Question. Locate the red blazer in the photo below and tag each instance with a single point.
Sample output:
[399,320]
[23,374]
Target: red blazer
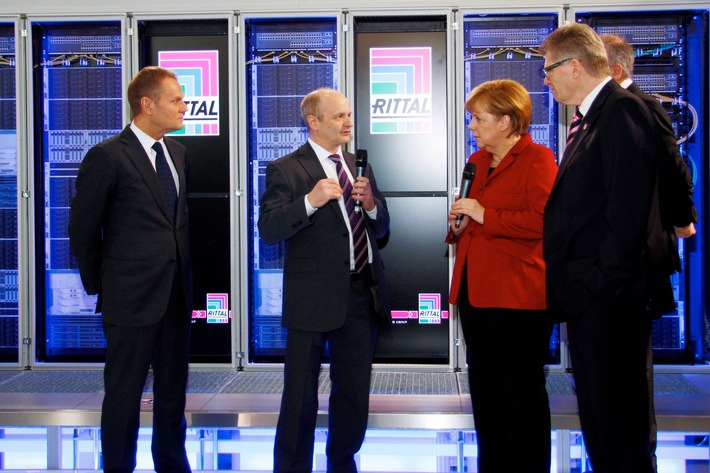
[503,257]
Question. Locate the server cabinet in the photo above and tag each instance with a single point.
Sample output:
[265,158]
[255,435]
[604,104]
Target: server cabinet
[9,288]
[671,50]
[77,88]
[506,47]
[285,59]
[401,78]
[198,51]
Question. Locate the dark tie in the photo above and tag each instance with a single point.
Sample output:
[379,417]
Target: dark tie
[165,177]
[356,223]
[574,126]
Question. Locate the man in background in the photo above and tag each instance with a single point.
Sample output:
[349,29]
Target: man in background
[128,230]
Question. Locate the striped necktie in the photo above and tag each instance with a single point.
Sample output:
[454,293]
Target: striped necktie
[357,225]
[574,126]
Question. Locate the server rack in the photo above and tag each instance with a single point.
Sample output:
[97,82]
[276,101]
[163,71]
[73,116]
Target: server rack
[199,51]
[77,86]
[506,46]
[402,71]
[9,274]
[285,59]
[695,259]
[671,63]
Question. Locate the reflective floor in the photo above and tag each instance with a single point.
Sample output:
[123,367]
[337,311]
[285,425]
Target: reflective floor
[384,450]
[419,422]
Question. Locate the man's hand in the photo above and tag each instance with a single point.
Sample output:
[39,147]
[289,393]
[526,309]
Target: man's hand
[363,192]
[685,232]
[323,192]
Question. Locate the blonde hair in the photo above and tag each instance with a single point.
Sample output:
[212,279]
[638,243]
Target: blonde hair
[503,97]
[577,41]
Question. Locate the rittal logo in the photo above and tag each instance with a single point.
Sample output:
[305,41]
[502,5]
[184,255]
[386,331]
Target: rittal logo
[400,90]
[198,74]
[429,312]
[217,309]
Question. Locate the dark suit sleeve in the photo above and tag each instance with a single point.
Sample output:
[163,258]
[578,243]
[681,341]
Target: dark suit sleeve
[94,185]
[282,213]
[628,167]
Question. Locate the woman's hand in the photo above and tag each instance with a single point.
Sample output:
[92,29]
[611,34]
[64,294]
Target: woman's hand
[471,209]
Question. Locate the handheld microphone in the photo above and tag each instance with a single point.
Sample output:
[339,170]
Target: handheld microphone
[360,165]
[469,172]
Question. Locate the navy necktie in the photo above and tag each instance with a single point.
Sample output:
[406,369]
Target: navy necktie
[165,177]
[357,225]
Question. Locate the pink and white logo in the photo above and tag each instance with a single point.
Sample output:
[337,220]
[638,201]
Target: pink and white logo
[198,74]
[400,90]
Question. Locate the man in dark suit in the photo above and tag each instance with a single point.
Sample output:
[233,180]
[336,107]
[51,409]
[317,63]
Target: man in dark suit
[595,231]
[333,284]
[675,195]
[129,234]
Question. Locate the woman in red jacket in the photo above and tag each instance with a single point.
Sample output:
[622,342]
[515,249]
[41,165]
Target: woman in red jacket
[499,281]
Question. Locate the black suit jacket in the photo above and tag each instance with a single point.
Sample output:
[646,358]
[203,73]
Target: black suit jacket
[597,216]
[126,243]
[317,248]
[675,186]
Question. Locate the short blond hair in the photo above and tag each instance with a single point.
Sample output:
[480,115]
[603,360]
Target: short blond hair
[577,41]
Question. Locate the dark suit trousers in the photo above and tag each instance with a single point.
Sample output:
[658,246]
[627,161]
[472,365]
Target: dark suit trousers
[653,427]
[506,352]
[608,344]
[351,349]
[130,351]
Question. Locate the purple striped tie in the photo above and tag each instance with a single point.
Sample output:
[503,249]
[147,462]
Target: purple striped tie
[357,225]
[574,126]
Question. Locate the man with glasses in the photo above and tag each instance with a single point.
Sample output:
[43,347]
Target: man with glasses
[547,69]
[595,246]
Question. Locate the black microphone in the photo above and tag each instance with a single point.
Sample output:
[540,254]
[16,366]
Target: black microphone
[360,165]
[469,172]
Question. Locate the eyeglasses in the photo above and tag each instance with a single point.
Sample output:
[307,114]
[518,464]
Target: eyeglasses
[546,70]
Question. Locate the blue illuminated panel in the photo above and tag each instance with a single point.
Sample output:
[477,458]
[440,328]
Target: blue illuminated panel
[9,310]
[78,81]
[506,47]
[662,44]
[285,60]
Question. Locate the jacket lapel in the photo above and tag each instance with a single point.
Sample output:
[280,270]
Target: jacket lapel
[585,128]
[177,154]
[309,160]
[137,156]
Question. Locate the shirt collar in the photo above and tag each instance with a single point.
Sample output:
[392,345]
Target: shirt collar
[145,139]
[589,99]
[321,152]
